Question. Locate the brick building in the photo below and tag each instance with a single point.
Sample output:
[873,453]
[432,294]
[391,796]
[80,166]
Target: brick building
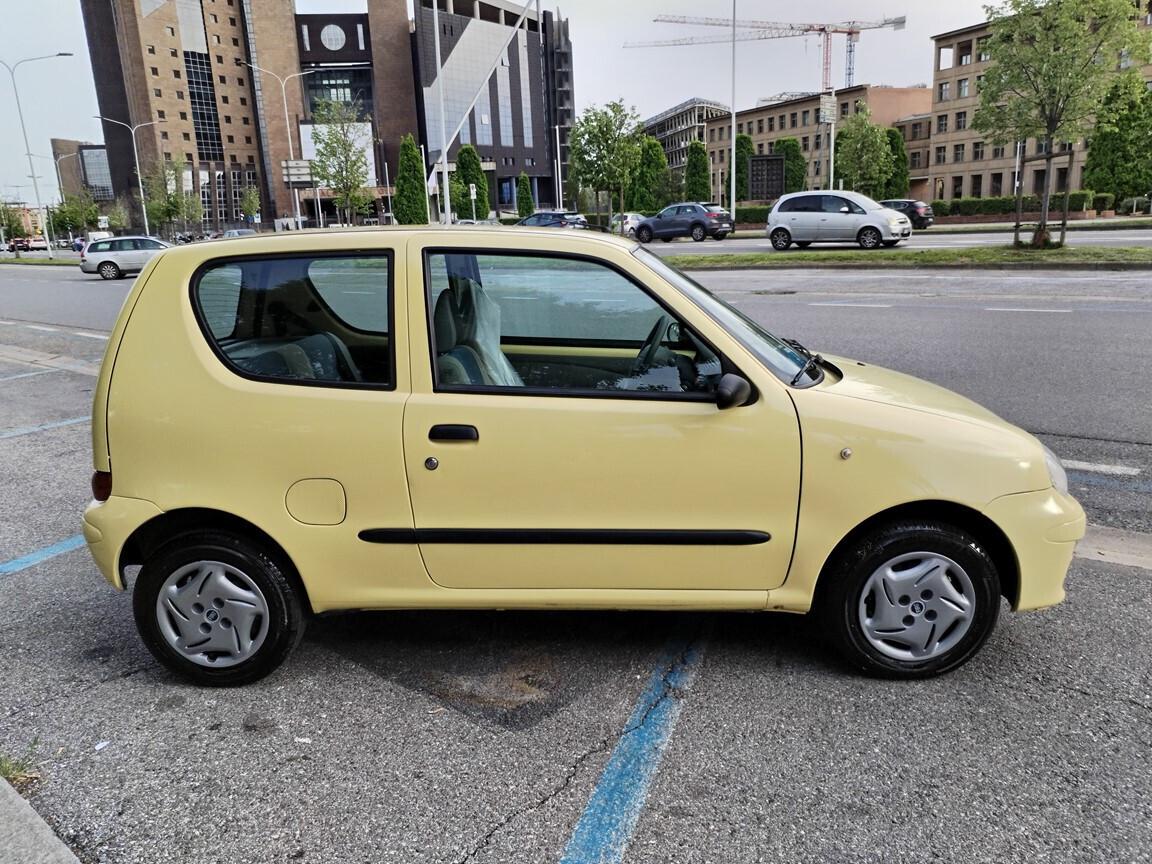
[797,116]
[210,70]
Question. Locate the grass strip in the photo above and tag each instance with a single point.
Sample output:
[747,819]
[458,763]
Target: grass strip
[911,258]
[71,262]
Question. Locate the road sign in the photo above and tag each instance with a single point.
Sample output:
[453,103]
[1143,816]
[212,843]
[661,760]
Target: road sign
[102,222]
[827,108]
[472,191]
[297,172]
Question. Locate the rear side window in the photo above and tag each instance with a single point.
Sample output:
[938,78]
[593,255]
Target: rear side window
[102,246]
[307,319]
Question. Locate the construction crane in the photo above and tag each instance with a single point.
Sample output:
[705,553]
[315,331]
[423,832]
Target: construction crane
[756,30]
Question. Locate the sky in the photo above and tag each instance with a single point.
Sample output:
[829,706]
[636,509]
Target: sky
[59,98]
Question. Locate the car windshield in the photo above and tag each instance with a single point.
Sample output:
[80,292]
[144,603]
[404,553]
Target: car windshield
[782,359]
[867,203]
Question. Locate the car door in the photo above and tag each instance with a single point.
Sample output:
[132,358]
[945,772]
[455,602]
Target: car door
[803,217]
[562,459]
[664,225]
[836,220]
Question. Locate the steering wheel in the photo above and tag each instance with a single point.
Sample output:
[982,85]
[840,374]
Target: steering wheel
[647,355]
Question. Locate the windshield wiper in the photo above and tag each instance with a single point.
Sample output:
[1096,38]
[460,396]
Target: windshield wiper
[810,360]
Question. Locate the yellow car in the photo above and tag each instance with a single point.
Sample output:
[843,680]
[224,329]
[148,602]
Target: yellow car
[506,418]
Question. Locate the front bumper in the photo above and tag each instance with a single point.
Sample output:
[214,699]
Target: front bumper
[1043,528]
[108,525]
[902,232]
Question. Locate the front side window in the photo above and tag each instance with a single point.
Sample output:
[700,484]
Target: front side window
[300,319]
[531,324]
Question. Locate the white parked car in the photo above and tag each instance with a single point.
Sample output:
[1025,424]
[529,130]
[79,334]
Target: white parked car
[804,218]
[631,222]
[119,255]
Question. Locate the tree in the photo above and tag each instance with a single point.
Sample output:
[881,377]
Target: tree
[75,213]
[645,183]
[744,151]
[525,206]
[410,205]
[1053,62]
[11,222]
[1120,155]
[163,194]
[897,186]
[469,168]
[670,188]
[461,203]
[863,158]
[250,203]
[603,148]
[341,162]
[192,210]
[697,186]
[795,165]
[118,214]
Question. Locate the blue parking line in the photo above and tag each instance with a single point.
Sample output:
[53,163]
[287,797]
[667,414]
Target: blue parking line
[34,558]
[28,430]
[609,819]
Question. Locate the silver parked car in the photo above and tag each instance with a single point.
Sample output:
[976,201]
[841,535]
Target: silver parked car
[114,257]
[631,223]
[804,218]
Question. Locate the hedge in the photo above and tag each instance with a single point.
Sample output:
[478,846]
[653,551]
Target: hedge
[1007,205]
[1103,201]
[1133,205]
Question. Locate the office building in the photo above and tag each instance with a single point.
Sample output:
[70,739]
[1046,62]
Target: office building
[83,168]
[682,124]
[796,115]
[231,86]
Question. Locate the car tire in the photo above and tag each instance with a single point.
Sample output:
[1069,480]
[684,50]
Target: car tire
[665,239]
[719,237]
[886,592]
[108,270]
[188,587]
[803,244]
[698,233]
[781,239]
[644,234]
[869,237]
[888,244]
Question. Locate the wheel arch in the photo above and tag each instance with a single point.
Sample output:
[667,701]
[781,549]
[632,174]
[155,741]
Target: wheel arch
[987,532]
[159,530]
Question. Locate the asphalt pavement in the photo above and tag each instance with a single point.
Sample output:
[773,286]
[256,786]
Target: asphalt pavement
[489,736]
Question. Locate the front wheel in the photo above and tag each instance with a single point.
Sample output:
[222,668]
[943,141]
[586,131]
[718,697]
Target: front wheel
[888,244]
[911,600]
[217,609]
[869,238]
[803,244]
[781,239]
[108,270]
[644,234]
[698,233]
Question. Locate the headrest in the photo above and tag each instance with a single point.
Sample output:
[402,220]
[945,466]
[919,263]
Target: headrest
[444,321]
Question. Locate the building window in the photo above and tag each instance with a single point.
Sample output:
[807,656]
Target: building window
[232,21]
[247,139]
[792,120]
[230,140]
[917,131]
[739,128]
[957,152]
[941,155]
[243,101]
[244,120]
[159,115]
[965,51]
[914,159]
[996,185]
[977,151]
[235,43]
[187,137]
[804,143]
[180,95]
[977,185]
[163,136]
[1042,147]
[711,134]
[944,91]
[183,115]
[816,143]
[220,59]
[941,123]
[1038,178]
[240,81]
[804,118]
[168,156]
[151,49]
[957,187]
[171,31]
[215,19]
[1061,179]
[816,168]
[155,72]
[760,148]
[176,73]
[997,151]
[771,124]
[860,106]
[982,55]
[760,126]
[843,109]
[216,38]
[962,88]
[224,99]
[944,57]
[961,120]
[156,92]
[172,52]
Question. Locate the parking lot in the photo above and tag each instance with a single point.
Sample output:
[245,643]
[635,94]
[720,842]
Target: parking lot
[495,736]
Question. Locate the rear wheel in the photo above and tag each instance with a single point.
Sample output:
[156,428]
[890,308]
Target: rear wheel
[217,609]
[698,233]
[719,237]
[781,239]
[644,234]
[911,600]
[109,270]
[869,238]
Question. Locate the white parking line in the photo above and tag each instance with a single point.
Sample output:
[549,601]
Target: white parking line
[857,305]
[1097,468]
[45,329]
[1014,309]
[89,335]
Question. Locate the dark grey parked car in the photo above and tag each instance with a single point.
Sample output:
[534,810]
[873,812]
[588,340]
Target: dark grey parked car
[920,213]
[687,219]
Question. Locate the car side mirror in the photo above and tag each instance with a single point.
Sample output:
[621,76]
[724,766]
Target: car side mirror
[845,210]
[732,391]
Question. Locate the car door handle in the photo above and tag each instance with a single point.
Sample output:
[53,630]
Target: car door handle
[453,432]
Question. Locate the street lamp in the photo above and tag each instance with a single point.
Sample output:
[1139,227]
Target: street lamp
[287,128]
[136,157]
[20,112]
[59,182]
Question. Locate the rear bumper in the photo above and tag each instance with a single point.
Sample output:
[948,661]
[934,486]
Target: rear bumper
[107,527]
[1043,528]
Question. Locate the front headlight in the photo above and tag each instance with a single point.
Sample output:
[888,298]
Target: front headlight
[1056,471]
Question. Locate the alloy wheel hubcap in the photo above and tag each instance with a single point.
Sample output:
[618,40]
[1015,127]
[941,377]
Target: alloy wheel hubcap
[916,606]
[212,614]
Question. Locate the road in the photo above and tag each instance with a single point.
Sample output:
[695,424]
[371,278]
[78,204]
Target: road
[929,239]
[495,737]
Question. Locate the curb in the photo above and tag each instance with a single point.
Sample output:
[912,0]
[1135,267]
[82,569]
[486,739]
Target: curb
[1085,266]
[25,838]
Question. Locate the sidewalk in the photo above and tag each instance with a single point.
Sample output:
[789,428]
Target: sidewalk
[24,837]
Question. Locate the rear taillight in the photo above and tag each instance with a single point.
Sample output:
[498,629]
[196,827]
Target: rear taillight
[101,485]
[919,211]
